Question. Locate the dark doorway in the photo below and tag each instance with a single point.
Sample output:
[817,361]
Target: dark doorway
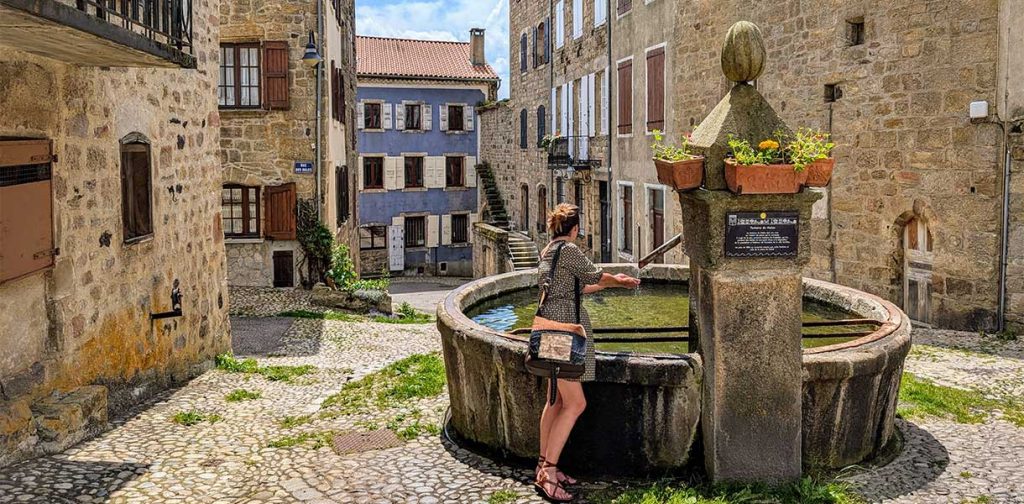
[284,268]
[606,219]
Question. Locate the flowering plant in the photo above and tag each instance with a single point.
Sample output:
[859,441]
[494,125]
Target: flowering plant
[550,139]
[808,146]
[768,151]
[668,152]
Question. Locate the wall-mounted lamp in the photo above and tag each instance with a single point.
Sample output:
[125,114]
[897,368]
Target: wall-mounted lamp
[312,57]
[175,304]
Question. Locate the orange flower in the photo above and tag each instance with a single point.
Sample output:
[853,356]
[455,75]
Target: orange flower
[768,145]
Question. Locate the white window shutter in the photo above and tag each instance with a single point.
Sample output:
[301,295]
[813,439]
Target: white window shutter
[469,162]
[577,19]
[600,14]
[391,173]
[400,173]
[446,229]
[432,225]
[400,116]
[359,175]
[604,102]
[571,126]
[443,112]
[591,109]
[470,113]
[560,23]
[433,176]
[386,115]
[428,116]
[564,111]
[398,220]
[360,115]
[553,108]
[473,218]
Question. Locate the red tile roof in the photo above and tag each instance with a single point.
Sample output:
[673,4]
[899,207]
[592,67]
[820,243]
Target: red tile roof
[377,56]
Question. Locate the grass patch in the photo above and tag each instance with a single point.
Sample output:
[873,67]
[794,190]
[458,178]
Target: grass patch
[294,421]
[966,474]
[193,417]
[317,440]
[239,395]
[806,491]
[408,426]
[327,315]
[922,398]
[287,374]
[505,496]
[981,499]
[406,314]
[411,378]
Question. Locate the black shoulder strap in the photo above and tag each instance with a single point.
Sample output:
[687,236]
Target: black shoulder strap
[551,278]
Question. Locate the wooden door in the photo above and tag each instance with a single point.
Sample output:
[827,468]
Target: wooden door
[284,268]
[918,260]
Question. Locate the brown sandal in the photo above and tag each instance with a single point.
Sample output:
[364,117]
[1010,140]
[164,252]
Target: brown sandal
[563,478]
[544,482]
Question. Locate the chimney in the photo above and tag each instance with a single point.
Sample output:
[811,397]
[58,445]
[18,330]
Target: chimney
[476,47]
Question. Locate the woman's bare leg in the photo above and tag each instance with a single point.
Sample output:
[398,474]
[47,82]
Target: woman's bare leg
[573,403]
[547,419]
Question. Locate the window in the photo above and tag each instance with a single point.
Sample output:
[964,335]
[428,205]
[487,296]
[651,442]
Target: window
[624,6]
[626,97]
[656,89]
[341,194]
[413,117]
[560,23]
[239,76]
[373,237]
[414,171]
[600,12]
[415,232]
[524,207]
[136,188]
[542,208]
[656,216]
[26,207]
[373,173]
[372,115]
[337,94]
[240,210]
[577,19]
[559,191]
[523,142]
[281,212]
[542,128]
[455,118]
[454,171]
[626,219]
[523,47]
[855,31]
[832,93]
[460,228]
[578,195]
[541,50]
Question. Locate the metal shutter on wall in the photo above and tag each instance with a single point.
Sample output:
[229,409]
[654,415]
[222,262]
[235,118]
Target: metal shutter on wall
[275,75]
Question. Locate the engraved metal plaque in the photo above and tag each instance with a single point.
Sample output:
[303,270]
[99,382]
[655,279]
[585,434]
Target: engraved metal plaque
[762,234]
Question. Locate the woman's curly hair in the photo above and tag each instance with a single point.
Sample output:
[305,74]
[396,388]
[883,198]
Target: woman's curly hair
[562,219]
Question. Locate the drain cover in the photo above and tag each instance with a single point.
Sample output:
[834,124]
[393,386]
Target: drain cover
[358,442]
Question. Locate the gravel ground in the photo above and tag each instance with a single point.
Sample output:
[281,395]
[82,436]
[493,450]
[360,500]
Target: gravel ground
[146,457]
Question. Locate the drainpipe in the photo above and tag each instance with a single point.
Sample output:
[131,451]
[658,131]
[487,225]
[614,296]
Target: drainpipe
[1001,318]
[319,103]
[554,120]
[612,189]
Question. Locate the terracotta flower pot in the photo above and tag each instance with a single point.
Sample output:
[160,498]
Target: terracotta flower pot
[763,179]
[819,173]
[681,175]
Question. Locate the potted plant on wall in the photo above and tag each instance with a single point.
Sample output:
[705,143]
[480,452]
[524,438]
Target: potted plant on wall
[557,147]
[761,170]
[678,167]
[811,150]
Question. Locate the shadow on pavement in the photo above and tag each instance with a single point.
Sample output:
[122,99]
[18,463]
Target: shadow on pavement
[921,462]
[51,480]
[266,337]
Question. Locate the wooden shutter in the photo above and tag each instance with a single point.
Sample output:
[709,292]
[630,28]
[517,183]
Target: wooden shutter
[275,75]
[536,60]
[656,89]
[547,40]
[625,94]
[281,212]
[625,6]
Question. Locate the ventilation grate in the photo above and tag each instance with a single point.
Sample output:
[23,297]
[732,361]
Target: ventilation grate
[24,174]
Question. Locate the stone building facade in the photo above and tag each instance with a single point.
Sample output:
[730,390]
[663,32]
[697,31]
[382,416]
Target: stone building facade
[915,210]
[109,198]
[270,135]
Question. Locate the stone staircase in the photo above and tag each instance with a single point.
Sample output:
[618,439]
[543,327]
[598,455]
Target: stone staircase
[523,251]
[495,214]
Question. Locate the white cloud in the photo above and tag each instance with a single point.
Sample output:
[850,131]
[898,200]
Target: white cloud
[441,20]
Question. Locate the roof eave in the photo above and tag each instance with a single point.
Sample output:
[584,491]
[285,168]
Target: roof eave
[427,77]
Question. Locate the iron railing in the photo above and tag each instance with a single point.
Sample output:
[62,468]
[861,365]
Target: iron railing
[165,21]
[571,152]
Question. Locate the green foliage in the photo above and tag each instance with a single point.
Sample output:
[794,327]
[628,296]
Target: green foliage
[325,315]
[549,139]
[193,417]
[239,395]
[505,496]
[343,270]
[320,439]
[806,491]
[406,315]
[287,374]
[669,152]
[411,378]
[408,426]
[316,241]
[294,421]
[382,284]
[921,398]
[808,146]
[746,155]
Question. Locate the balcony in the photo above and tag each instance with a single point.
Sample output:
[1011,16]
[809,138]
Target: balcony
[108,33]
[570,152]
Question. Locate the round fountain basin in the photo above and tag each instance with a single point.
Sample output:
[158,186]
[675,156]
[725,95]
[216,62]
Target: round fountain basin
[643,409]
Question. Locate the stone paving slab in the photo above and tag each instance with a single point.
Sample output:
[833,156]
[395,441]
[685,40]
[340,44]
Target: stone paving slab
[258,336]
[146,458]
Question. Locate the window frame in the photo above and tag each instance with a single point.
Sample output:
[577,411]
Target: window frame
[406,167]
[464,229]
[448,171]
[418,107]
[367,116]
[236,86]
[246,217]
[373,237]
[409,244]
[367,178]
[132,144]
[461,115]
[343,195]
[626,238]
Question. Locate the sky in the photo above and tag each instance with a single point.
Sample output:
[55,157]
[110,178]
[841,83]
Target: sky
[441,20]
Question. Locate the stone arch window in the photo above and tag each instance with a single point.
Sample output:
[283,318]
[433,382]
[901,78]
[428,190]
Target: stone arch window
[918,265]
[524,208]
[542,43]
[542,127]
[522,53]
[523,127]
[136,188]
[542,208]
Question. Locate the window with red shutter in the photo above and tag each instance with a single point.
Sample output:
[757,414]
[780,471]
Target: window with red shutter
[625,91]
[656,89]
[275,75]
[281,212]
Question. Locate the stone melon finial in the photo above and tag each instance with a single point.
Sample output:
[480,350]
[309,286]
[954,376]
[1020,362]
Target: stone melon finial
[743,54]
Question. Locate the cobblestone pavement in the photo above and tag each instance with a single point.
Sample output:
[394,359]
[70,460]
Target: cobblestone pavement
[146,457]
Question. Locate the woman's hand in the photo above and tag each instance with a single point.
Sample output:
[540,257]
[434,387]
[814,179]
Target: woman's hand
[627,282]
[590,289]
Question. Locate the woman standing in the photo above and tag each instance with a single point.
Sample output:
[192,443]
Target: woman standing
[559,418]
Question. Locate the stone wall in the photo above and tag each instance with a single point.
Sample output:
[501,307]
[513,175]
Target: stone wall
[490,251]
[260,147]
[87,320]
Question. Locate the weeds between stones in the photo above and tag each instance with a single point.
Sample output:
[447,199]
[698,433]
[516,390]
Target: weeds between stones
[921,398]
[414,377]
[320,439]
[806,491]
[327,315]
[505,496]
[405,314]
[239,395]
[286,374]
[193,417]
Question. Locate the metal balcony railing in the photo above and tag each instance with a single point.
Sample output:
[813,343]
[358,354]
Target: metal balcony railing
[164,21]
[571,152]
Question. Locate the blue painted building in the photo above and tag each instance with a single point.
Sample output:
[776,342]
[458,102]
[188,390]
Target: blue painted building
[418,145]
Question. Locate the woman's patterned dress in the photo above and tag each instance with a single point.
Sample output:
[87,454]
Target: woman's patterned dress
[560,304]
